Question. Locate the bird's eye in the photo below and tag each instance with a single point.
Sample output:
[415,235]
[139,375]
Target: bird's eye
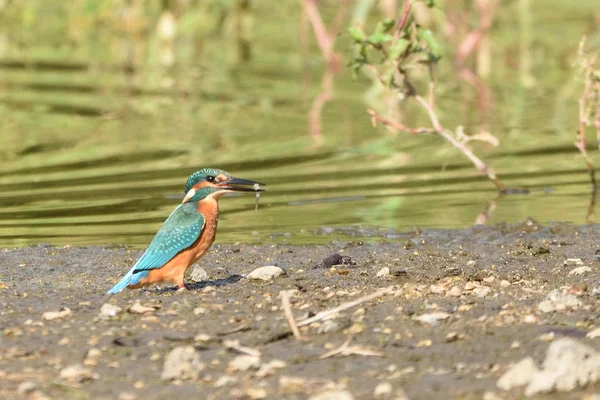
[210,178]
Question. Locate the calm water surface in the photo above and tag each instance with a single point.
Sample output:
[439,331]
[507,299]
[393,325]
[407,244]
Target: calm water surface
[95,153]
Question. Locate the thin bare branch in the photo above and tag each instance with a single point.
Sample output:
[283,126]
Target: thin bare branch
[346,350]
[328,313]
[402,21]
[388,122]
[289,315]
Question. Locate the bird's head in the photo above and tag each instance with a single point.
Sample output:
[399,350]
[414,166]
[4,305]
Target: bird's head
[214,183]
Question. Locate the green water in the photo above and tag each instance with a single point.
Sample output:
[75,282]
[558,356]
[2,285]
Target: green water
[94,151]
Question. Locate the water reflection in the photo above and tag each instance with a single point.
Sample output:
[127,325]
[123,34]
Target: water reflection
[96,143]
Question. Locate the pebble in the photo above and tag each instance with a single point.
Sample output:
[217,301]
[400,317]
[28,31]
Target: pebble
[482,291]
[137,308]
[244,362]
[332,395]
[580,270]
[432,318]
[504,283]
[76,373]
[183,363]
[91,359]
[382,390]
[455,291]
[518,375]
[569,364]
[556,300]
[593,334]
[266,273]
[108,311]
[27,386]
[329,325]
[572,262]
[436,289]
[383,273]
[270,367]
[51,315]
[256,393]
[198,274]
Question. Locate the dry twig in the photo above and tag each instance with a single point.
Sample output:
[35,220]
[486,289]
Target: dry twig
[328,313]
[346,350]
[289,316]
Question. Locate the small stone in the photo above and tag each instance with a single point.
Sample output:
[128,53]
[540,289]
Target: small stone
[432,318]
[198,274]
[593,334]
[76,373]
[244,362]
[518,375]
[333,395]
[137,308]
[257,392]
[580,270]
[108,311]
[91,359]
[127,396]
[329,325]
[269,368]
[471,263]
[200,310]
[482,291]
[383,273]
[452,337]
[530,319]
[382,390]
[569,364]
[504,283]
[489,279]
[27,386]
[491,396]
[572,262]
[266,273]
[455,291]
[556,300]
[183,363]
[51,315]
[225,380]
[436,289]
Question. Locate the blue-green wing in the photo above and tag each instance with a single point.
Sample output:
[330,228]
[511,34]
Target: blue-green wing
[180,231]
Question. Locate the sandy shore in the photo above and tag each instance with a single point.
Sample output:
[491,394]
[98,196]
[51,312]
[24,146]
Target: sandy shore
[460,308]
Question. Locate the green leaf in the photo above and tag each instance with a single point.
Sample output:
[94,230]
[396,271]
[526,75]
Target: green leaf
[430,3]
[397,49]
[380,37]
[385,26]
[357,34]
[434,48]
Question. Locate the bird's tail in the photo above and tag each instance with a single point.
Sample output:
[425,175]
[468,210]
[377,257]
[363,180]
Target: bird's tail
[131,278]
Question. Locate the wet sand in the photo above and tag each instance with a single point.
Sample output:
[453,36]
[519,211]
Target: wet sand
[462,305]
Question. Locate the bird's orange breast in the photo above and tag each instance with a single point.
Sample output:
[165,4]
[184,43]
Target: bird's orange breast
[174,269]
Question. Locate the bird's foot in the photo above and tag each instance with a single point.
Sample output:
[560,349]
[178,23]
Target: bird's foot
[182,288]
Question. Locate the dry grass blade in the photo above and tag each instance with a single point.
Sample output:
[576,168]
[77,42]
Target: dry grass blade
[289,316]
[328,313]
[346,350]
[235,345]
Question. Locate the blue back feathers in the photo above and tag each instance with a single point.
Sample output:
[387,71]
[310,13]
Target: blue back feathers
[180,231]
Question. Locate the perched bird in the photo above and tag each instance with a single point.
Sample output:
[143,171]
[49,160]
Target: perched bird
[188,232]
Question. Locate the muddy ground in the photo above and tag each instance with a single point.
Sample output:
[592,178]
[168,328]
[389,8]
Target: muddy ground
[479,290]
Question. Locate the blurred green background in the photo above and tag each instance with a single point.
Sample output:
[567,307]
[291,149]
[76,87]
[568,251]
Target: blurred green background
[107,106]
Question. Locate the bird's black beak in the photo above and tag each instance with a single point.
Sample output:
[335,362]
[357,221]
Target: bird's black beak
[242,185]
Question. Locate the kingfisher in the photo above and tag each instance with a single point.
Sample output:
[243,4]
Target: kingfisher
[187,233]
